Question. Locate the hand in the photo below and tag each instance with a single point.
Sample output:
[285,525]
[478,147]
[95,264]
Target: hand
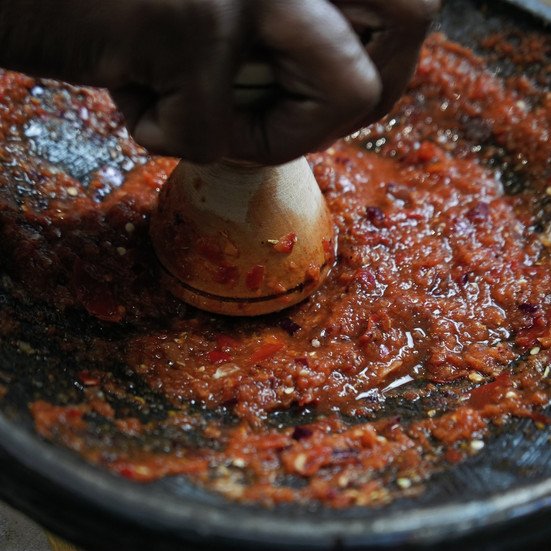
[331,84]
[170,65]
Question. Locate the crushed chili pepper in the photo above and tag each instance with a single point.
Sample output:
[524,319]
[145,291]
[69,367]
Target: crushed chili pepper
[266,350]
[219,356]
[285,244]
[440,297]
[255,277]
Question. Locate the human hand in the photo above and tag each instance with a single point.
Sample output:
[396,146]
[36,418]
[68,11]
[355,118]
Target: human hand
[170,66]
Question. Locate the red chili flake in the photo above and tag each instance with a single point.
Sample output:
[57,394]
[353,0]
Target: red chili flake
[139,473]
[537,327]
[528,308]
[289,326]
[374,214]
[342,160]
[225,342]
[346,277]
[227,275]
[453,456]
[88,379]
[544,341]
[490,393]
[302,361]
[266,350]
[127,472]
[365,276]
[73,413]
[286,243]
[255,277]
[209,250]
[479,213]
[428,152]
[219,357]
[300,433]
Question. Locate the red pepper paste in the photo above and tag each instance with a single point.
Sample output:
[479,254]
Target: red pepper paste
[441,296]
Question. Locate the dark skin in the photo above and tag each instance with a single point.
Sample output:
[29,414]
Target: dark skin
[170,66]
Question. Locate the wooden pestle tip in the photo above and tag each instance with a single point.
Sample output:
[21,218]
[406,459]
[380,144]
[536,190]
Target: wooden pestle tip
[243,240]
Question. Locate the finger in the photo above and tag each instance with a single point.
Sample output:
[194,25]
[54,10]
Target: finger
[195,87]
[327,80]
[188,123]
[397,30]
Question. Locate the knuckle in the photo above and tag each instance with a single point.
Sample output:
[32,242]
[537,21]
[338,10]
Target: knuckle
[365,97]
[363,88]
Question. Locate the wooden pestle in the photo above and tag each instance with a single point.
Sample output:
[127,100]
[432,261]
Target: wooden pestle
[241,239]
